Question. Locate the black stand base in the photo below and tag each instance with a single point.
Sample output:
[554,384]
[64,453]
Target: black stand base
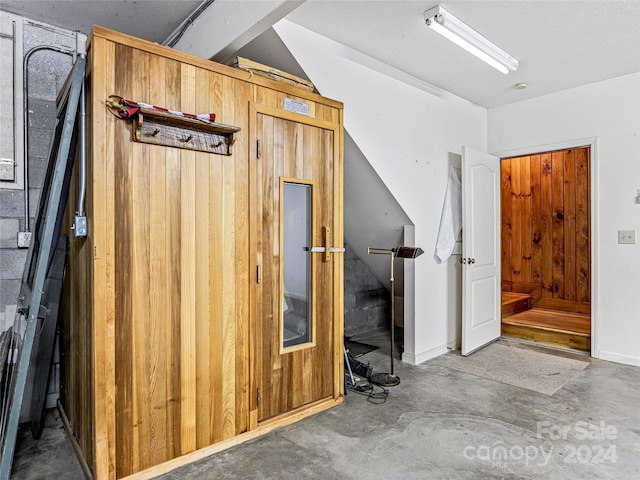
[384,379]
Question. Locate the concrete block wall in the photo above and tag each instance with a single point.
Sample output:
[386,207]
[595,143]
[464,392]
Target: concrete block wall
[47,71]
[366,301]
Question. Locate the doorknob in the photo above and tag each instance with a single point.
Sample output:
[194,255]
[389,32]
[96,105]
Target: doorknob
[472,260]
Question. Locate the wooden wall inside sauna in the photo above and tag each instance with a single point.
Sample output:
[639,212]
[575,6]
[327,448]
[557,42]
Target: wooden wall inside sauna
[156,319]
[546,248]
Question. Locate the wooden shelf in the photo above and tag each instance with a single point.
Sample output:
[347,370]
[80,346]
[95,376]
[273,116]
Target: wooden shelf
[159,128]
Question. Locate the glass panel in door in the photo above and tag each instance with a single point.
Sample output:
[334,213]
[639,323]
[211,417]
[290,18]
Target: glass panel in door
[296,239]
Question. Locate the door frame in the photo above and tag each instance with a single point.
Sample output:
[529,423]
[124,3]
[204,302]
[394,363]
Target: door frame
[593,143]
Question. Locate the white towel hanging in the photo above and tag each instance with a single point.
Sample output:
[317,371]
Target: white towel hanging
[451,220]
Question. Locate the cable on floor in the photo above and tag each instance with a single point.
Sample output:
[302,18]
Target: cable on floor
[374,393]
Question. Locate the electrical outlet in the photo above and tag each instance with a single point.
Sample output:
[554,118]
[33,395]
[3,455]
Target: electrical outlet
[626,236]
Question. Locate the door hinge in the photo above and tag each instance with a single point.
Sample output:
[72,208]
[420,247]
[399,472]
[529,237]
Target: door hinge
[257,148]
[258,398]
[259,273]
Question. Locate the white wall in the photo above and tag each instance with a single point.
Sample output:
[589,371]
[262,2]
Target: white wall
[410,132]
[610,112]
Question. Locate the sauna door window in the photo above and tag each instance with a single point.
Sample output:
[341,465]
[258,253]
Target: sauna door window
[296,265]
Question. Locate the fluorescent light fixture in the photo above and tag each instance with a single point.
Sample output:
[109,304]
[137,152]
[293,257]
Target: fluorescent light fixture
[441,21]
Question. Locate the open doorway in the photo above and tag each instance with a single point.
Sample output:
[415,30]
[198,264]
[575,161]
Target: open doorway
[546,247]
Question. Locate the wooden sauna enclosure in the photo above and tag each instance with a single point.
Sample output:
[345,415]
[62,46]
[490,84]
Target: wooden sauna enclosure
[546,247]
[174,337]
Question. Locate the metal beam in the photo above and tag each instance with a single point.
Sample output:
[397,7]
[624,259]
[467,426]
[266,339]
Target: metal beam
[226,26]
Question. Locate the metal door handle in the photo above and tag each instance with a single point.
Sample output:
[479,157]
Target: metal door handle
[322,249]
[326,250]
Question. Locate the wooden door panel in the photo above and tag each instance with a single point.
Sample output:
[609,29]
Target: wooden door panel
[298,153]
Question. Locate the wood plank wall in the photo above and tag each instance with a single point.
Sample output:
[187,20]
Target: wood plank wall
[546,246]
[181,260]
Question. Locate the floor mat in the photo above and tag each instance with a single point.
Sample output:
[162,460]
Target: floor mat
[514,365]
[357,349]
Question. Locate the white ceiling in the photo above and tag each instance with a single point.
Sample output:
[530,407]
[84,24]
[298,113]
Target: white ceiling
[559,44]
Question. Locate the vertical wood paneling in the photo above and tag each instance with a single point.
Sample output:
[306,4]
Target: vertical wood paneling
[123,266]
[257,262]
[583,221]
[536,219]
[140,278]
[516,222]
[228,335]
[557,202]
[217,274]
[525,218]
[208,321]
[158,305]
[188,287]
[506,206]
[545,228]
[324,142]
[236,113]
[569,225]
[174,294]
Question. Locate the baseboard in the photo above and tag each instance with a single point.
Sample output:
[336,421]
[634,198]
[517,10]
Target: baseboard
[415,359]
[74,443]
[262,429]
[619,358]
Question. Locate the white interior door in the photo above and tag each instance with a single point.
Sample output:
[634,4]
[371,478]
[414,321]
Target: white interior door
[480,249]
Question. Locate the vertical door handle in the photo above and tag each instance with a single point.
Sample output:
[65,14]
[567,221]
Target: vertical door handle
[326,241]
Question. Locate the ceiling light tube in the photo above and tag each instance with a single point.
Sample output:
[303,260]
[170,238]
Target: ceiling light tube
[442,22]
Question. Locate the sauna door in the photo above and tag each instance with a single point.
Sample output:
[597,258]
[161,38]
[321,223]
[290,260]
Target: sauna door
[296,217]
[480,249]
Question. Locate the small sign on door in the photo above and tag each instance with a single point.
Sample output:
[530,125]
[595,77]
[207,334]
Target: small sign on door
[295,106]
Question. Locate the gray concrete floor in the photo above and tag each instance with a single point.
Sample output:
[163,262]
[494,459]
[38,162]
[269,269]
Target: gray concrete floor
[438,423]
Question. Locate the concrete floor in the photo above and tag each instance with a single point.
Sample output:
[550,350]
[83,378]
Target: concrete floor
[439,423]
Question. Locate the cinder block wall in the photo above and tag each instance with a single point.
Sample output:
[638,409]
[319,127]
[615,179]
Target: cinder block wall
[366,301]
[47,72]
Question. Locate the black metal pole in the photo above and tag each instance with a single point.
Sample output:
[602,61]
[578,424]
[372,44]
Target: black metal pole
[393,326]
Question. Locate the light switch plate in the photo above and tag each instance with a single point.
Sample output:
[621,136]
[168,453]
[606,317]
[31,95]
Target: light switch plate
[626,236]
